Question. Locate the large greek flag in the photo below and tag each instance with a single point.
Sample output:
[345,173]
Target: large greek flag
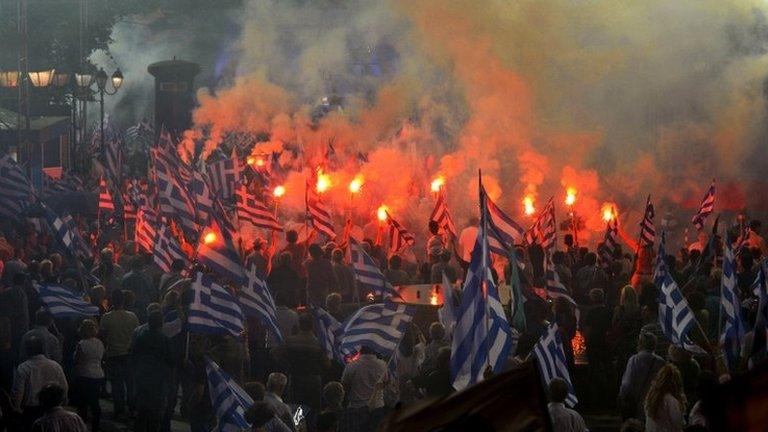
[329,331]
[256,300]
[551,359]
[228,400]
[378,326]
[732,333]
[62,303]
[369,276]
[213,309]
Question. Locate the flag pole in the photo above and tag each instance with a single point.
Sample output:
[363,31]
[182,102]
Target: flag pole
[484,262]
[306,233]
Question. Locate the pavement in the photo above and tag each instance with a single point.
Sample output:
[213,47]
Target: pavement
[108,424]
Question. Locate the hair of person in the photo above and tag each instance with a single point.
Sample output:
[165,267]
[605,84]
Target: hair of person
[291,236]
[88,329]
[177,265]
[558,390]
[755,225]
[137,262]
[446,256]
[333,393]
[315,251]
[306,323]
[597,295]
[337,255]
[436,331]
[628,299]
[568,239]
[647,341]
[434,227]
[51,396]
[34,346]
[333,300]
[590,259]
[667,381]
[255,390]
[152,307]
[276,381]
[558,257]
[155,320]
[632,425]
[259,414]
[43,318]
[284,259]
[395,262]
[117,299]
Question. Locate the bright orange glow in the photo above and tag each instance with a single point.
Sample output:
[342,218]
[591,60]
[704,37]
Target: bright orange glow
[260,162]
[570,196]
[381,213]
[434,299]
[323,182]
[609,212]
[437,184]
[356,184]
[209,237]
[250,160]
[528,207]
[279,191]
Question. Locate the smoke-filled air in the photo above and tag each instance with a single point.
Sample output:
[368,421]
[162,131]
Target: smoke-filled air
[614,100]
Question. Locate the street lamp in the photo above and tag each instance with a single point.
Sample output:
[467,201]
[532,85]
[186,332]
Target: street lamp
[101,82]
[61,79]
[9,78]
[41,78]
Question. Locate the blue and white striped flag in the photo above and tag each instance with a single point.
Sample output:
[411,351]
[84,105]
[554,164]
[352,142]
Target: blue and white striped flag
[555,288]
[647,229]
[67,238]
[706,207]
[166,249]
[482,337]
[329,331]
[213,309]
[378,326]
[544,230]
[675,316]
[217,251]
[229,401]
[63,303]
[503,231]
[16,191]
[223,177]
[610,245]
[256,300]
[732,333]
[368,275]
[551,359]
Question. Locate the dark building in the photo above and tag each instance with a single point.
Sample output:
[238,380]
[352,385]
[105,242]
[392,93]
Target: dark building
[174,94]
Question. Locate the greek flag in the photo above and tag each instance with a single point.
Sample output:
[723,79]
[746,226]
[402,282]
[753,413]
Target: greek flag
[166,249]
[15,189]
[399,237]
[256,300]
[544,230]
[503,231]
[555,288]
[610,244]
[369,276]
[647,229]
[378,326]
[63,303]
[66,234]
[217,251]
[329,332]
[223,177]
[706,207]
[319,215]
[551,359]
[213,309]
[442,216]
[732,333]
[202,197]
[675,316]
[228,400]
[482,336]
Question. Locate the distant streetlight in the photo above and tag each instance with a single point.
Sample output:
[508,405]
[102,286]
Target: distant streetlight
[101,83]
[9,79]
[41,78]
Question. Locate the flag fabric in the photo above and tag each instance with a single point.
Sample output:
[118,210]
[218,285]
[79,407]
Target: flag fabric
[105,198]
[253,210]
[67,183]
[256,300]
[378,326]
[319,215]
[647,229]
[174,199]
[706,207]
[399,238]
[369,276]
[228,400]
[329,331]
[66,235]
[544,231]
[203,199]
[503,231]
[447,313]
[16,191]
[172,324]
[607,250]
[217,251]
[551,360]
[142,133]
[223,177]
[112,152]
[213,309]
[555,288]
[145,231]
[482,336]
[166,249]
[732,332]
[442,216]
[760,330]
[675,316]
[63,303]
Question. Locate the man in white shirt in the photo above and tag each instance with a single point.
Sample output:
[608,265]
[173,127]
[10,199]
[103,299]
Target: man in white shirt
[276,383]
[51,344]
[30,377]
[563,418]
[364,381]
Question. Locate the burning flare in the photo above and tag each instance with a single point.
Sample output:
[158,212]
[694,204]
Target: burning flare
[528,207]
[279,191]
[323,181]
[437,184]
[209,237]
[356,184]
[381,213]
[609,212]
[570,196]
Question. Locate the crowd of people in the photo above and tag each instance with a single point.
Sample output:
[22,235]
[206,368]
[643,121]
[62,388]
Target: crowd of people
[132,354]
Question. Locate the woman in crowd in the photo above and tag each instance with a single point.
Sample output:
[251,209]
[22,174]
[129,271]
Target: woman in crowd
[665,402]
